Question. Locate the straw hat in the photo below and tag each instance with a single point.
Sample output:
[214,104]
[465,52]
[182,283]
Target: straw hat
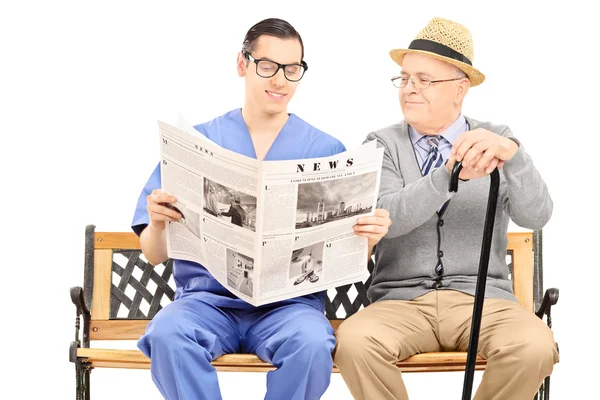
[445,40]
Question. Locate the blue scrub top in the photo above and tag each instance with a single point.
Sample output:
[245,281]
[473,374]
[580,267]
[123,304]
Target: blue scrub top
[296,140]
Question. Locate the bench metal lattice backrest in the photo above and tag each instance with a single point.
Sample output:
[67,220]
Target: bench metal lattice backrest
[138,290]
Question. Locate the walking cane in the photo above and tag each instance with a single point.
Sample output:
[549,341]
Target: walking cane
[484,260]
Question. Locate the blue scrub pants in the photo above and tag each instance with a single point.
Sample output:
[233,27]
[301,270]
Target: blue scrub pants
[185,336]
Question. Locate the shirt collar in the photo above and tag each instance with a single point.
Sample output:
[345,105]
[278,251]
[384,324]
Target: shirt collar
[450,134]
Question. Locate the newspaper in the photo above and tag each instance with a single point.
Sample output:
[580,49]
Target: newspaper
[268,230]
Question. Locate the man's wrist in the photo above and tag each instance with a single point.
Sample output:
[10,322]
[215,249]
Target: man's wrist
[157,227]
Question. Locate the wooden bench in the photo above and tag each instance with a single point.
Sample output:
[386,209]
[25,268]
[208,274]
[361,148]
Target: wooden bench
[121,293]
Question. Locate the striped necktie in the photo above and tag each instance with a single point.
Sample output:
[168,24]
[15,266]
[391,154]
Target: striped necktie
[434,158]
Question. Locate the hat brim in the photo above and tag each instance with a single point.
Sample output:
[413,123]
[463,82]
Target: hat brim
[475,76]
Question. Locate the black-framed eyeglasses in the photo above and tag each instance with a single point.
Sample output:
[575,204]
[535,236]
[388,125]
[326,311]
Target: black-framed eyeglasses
[418,83]
[268,68]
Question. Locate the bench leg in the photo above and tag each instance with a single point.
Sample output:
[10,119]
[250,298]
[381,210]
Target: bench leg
[547,388]
[544,392]
[82,378]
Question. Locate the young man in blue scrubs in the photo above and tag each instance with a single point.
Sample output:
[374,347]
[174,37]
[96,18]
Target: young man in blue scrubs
[206,320]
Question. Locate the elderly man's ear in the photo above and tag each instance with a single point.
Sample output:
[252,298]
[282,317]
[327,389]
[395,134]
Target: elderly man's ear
[461,90]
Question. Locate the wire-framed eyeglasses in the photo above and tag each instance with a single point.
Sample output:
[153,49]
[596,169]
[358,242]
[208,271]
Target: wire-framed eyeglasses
[418,83]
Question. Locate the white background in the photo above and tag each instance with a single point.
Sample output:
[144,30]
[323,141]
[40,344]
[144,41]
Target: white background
[82,85]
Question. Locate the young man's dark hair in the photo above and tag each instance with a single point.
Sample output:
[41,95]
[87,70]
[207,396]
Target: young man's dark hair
[272,27]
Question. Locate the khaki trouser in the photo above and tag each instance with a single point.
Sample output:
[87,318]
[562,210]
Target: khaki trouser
[519,347]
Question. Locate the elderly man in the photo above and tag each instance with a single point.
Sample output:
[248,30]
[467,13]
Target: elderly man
[426,266]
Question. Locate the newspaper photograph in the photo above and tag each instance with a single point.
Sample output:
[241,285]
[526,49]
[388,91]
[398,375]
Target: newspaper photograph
[306,265]
[329,201]
[233,206]
[240,275]
[268,230]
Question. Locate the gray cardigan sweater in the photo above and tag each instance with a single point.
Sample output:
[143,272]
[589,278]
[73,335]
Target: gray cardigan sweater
[406,257]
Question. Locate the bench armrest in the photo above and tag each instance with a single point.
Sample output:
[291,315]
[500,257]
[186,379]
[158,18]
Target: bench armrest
[81,310]
[550,299]
[78,300]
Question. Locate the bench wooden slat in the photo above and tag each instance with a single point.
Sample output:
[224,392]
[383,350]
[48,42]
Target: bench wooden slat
[521,243]
[118,329]
[133,329]
[116,240]
[102,281]
[109,358]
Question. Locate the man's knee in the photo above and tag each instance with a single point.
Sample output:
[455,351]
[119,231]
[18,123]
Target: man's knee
[316,339]
[354,340]
[163,331]
[532,350]
[540,351]
[170,331]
